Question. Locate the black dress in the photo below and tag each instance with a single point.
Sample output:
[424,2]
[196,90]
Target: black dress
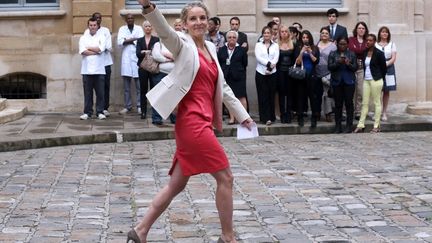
[234,69]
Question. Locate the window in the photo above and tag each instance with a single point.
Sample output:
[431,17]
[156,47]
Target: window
[162,4]
[304,3]
[28,4]
[23,86]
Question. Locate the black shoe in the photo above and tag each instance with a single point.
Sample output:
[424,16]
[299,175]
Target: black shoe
[143,115]
[313,122]
[157,123]
[338,129]
[301,123]
[348,129]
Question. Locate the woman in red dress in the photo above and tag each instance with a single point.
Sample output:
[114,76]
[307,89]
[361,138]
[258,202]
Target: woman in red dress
[197,87]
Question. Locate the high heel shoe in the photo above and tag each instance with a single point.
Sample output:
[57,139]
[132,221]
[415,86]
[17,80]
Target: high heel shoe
[222,241]
[132,236]
[375,130]
[359,130]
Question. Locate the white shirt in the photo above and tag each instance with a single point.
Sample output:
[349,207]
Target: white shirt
[388,50]
[106,33]
[263,57]
[368,74]
[165,64]
[129,61]
[92,64]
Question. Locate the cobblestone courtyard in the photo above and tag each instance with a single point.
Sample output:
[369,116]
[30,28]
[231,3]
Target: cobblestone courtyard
[295,188]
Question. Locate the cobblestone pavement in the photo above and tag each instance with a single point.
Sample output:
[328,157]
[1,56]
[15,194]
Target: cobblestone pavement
[296,188]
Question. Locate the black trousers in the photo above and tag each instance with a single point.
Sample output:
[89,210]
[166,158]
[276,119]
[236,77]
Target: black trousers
[299,88]
[144,79]
[315,92]
[343,95]
[107,86]
[266,90]
[284,88]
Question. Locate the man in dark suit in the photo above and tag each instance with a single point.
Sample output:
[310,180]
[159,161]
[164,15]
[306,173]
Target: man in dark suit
[336,30]
[242,37]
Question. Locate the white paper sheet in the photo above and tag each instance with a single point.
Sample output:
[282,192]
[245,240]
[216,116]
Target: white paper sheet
[390,80]
[244,133]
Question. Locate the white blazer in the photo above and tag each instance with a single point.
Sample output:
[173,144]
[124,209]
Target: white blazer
[166,95]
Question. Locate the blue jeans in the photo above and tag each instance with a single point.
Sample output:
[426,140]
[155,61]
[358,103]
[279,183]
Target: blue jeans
[127,92]
[155,79]
[96,83]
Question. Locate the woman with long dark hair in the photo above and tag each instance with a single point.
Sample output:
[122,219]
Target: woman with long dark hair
[308,57]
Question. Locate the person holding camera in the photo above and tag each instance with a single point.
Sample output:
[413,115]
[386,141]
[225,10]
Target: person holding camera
[342,64]
[267,55]
[308,57]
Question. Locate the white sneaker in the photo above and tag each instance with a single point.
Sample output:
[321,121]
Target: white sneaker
[139,110]
[84,117]
[123,111]
[106,113]
[101,116]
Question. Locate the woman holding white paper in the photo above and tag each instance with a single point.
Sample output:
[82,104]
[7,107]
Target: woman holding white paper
[197,86]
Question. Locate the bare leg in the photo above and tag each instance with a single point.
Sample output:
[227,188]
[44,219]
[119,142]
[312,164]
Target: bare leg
[161,201]
[224,203]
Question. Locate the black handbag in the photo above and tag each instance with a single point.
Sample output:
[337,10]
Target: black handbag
[297,72]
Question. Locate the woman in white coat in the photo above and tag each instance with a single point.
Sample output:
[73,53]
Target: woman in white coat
[197,87]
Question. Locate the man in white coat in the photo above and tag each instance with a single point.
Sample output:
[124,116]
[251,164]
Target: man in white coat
[106,33]
[91,47]
[126,39]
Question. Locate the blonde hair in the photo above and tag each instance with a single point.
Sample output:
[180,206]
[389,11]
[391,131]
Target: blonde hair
[178,21]
[146,22]
[289,40]
[185,11]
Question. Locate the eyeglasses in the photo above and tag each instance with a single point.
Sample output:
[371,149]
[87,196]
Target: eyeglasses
[231,37]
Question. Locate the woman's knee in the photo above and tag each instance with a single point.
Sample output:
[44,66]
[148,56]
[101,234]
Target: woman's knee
[225,178]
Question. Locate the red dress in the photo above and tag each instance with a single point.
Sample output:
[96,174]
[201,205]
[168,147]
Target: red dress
[198,150]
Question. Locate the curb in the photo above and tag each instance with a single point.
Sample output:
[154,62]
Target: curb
[168,133]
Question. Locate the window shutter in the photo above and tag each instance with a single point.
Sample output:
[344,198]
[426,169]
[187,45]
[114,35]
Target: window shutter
[304,3]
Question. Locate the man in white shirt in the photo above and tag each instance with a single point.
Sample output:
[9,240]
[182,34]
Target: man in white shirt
[127,38]
[91,47]
[104,31]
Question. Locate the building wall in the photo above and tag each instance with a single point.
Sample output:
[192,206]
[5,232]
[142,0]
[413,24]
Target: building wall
[46,42]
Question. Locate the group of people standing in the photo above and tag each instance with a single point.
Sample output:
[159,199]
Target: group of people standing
[339,74]
[135,41]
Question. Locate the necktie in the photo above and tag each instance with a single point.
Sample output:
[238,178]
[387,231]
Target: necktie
[332,31]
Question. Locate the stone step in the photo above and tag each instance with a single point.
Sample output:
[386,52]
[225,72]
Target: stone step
[420,108]
[11,114]
[3,104]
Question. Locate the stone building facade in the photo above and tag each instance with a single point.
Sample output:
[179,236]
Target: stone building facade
[45,42]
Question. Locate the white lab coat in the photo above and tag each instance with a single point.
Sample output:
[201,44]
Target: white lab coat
[129,67]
